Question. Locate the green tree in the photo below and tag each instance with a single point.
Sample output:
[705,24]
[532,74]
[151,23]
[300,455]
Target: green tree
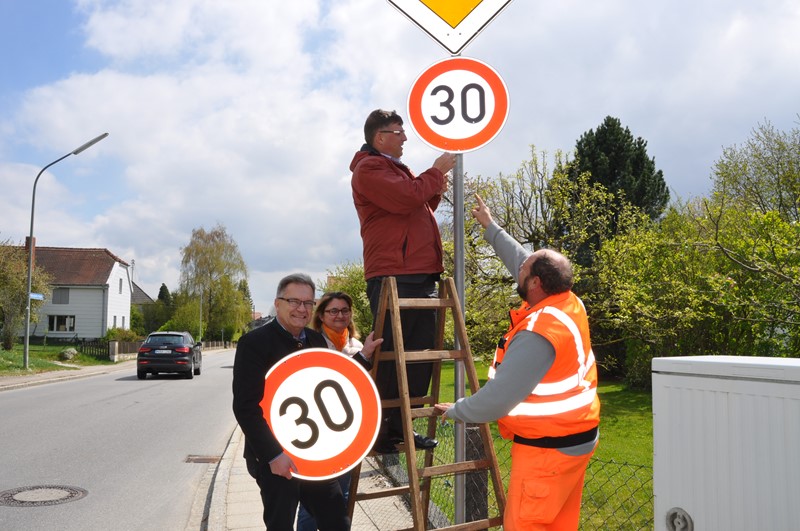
[13,292]
[155,315]
[720,275]
[612,157]
[244,288]
[137,321]
[187,317]
[663,291]
[211,271]
[618,161]
[763,174]
[540,208]
[754,213]
[165,296]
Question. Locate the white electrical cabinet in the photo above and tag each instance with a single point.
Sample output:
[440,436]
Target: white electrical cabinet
[726,443]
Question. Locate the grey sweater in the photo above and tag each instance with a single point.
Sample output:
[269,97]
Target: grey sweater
[528,357]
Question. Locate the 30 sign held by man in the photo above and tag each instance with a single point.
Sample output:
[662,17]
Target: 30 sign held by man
[324,409]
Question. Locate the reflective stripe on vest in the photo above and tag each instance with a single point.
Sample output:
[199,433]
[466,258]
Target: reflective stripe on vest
[584,364]
[554,408]
[578,380]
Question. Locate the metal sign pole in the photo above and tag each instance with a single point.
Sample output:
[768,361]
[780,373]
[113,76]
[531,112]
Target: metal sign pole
[458,276]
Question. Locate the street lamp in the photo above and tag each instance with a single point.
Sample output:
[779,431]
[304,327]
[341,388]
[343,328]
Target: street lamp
[201,317]
[76,151]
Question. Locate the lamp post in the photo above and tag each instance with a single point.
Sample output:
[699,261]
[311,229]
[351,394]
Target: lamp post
[76,151]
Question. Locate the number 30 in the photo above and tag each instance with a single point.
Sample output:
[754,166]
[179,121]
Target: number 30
[326,417]
[448,104]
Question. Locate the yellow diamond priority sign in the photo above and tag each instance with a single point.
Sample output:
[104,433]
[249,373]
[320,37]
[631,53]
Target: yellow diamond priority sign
[451,23]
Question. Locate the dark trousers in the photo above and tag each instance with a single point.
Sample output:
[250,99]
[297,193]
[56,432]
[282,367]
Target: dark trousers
[419,333]
[280,496]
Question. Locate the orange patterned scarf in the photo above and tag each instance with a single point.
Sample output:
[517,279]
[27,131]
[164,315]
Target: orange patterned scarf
[339,339]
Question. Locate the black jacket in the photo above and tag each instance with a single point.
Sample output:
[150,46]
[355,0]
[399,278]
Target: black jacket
[256,353]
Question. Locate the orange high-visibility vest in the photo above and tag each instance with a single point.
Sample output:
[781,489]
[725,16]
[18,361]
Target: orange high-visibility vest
[565,402]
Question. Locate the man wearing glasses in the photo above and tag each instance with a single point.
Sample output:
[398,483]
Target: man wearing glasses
[401,239]
[256,352]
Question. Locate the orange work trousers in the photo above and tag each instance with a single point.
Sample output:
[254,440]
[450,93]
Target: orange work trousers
[544,491]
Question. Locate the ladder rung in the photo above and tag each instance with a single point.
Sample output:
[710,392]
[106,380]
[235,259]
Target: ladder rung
[414,401]
[474,525]
[433,355]
[425,355]
[424,412]
[425,304]
[383,493]
[455,468]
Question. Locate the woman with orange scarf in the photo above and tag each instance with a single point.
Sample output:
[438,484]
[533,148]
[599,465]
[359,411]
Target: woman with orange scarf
[333,317]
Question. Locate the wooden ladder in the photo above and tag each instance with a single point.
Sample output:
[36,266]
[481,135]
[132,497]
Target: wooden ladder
[419,480]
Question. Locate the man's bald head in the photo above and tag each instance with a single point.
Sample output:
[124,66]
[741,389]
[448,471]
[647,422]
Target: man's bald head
[554,271]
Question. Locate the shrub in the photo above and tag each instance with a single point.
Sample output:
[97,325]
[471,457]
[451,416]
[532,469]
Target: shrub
[121,334]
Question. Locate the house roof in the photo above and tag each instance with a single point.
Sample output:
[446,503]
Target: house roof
[77,267]
[139,296]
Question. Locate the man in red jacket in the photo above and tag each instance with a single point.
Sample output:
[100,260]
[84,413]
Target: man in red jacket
[401,239]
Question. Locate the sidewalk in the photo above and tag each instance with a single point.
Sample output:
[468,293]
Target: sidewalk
[233,498]
[236,502]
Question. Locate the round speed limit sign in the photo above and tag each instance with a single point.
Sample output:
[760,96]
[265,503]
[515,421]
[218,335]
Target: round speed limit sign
[324,409]
[458,104]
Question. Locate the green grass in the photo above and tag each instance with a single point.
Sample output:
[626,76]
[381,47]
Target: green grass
[41,358]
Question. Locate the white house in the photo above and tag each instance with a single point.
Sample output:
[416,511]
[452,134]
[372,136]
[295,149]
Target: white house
[91,293]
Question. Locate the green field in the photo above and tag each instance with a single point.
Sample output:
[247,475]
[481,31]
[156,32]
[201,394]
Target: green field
[41,358]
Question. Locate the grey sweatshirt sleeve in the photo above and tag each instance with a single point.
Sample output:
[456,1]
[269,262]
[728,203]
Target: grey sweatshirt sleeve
[507,248]
[527,360]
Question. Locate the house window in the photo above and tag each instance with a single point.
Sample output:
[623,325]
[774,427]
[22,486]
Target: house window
[61,296]
[61,323]
[120,286]
[115,321]
[123,321]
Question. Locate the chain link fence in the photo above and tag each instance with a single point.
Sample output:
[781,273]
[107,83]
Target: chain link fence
[615,496]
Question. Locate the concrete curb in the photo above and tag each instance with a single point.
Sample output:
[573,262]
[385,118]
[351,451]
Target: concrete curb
[217,509]
[9,383]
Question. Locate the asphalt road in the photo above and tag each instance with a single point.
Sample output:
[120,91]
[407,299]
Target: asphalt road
[122,440]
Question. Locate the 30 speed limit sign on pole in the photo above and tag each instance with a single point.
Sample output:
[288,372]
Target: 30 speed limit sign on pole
[324,409]
[458,104]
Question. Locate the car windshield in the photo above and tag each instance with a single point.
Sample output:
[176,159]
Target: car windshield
[164,340]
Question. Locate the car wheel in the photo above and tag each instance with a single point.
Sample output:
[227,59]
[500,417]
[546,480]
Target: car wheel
[198,367]
[190,373]
[141,374]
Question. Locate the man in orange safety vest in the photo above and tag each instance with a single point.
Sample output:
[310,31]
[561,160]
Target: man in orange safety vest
[542,388]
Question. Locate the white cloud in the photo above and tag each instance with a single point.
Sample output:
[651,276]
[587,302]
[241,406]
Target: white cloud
[247,113]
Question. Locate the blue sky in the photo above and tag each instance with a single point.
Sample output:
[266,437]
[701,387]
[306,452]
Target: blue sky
[247,113]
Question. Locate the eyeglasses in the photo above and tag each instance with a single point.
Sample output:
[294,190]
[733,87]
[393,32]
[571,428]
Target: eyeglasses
[295,303]
[395,132]
[336,311]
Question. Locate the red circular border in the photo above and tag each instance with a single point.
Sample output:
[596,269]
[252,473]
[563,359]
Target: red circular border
[371,411]
[485,135]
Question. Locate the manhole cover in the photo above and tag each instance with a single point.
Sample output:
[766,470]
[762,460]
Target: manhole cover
[203,459]
[40,495]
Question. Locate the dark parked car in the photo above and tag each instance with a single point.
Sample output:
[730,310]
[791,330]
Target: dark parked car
[169,352]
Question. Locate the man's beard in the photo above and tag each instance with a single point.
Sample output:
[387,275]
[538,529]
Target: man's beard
[522,290]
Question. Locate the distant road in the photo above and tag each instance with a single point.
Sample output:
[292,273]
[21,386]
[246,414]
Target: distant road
[124,440]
